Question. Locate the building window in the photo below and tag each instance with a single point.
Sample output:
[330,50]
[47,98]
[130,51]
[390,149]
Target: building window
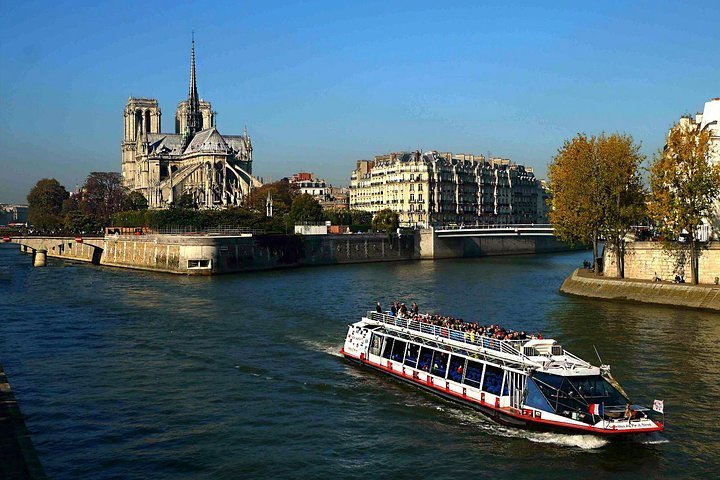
[198,264]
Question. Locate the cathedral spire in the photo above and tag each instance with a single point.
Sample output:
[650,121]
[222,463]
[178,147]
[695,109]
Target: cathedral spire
[192,94]
[194,116]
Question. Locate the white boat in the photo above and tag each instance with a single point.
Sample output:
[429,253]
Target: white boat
[534,383]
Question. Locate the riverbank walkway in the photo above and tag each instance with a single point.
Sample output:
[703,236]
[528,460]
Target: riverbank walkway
[584,284]
[18,459]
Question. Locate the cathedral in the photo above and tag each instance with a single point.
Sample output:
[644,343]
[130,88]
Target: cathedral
[196,160]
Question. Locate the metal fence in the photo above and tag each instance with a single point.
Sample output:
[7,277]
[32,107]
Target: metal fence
[220,230]
[512,347]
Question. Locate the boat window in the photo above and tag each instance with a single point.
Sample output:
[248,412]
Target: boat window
[398,350]
[426,359]
[411,357]
[387,348]
[439,364]
[493,380]
[573,395]
[376,344]
[473,374]
[534,397]
[457,367]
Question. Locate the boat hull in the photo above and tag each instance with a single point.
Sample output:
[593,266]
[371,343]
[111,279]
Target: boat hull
[500,415]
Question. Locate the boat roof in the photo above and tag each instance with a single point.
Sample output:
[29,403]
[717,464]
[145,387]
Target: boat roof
[544,355]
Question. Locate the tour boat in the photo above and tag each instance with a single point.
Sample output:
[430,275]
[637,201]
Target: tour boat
[533,384]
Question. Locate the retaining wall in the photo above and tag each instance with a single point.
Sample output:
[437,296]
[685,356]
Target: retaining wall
[683,295]
[644,259]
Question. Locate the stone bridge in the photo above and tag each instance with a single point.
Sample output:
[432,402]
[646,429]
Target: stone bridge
[88,249]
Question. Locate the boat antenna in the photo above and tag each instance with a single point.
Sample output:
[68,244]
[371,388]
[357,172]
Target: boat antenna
[598,355]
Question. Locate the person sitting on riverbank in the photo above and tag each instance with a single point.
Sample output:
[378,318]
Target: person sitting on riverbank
[656,278]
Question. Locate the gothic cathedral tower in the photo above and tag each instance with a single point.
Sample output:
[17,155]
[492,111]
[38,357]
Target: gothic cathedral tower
[142,116]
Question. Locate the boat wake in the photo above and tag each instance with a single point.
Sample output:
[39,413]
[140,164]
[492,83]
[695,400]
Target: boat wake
[478,420]
[321,347]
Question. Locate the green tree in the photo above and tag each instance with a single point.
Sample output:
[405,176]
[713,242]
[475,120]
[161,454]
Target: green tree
[684,183]
[79,222]
[305,208]
[385,220]
[136,201]
[186,201]
[45,202]
[360,220]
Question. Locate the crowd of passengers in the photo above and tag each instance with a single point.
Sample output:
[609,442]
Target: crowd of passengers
[400,310]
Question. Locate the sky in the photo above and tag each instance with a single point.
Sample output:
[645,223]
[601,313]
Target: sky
[322,84]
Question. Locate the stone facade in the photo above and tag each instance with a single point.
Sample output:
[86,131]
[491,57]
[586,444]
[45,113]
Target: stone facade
[709,119]
[440,188]
[196,160]
[644,259]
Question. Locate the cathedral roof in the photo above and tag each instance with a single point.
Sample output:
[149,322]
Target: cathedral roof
[165,143]
[208,141]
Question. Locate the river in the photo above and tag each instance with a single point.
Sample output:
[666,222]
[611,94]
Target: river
[128,374]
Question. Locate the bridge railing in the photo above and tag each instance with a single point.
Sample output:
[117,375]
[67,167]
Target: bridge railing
[494,226]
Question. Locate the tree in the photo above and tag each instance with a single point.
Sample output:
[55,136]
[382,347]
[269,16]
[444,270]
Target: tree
[45,202]
[575,183]
[282,196]
[622,194]
[79,222]
[385,220]
[305,208]
[684,183]
[186,201]
[103,194]
[136,201]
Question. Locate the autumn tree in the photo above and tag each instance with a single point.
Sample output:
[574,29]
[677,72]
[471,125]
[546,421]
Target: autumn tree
[103,194]
[684,184]
[597,192]
[574,182]
[45,203]
[622,193]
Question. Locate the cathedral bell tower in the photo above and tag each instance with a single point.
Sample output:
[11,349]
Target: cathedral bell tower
[142,116]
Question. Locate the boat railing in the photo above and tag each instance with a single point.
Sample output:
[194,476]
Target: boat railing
[511,347]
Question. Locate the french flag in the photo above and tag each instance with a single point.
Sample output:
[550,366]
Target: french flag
[596,409]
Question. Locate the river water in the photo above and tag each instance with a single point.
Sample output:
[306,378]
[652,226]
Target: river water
[127,374]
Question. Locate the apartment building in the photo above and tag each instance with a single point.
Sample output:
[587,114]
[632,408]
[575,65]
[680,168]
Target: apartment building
[433,188]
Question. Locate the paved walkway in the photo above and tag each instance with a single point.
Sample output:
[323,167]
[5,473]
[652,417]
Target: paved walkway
[18,459]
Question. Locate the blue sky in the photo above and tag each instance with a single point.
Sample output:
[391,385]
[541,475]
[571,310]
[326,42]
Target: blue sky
[323,84]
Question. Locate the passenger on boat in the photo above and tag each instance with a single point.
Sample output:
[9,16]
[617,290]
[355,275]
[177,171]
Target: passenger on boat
[629,412]
[378,308]
[470,328]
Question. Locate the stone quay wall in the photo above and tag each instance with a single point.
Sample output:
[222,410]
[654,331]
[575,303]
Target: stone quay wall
[207,255]
[210,254]
[481,246]
[674,294]
[644,259]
